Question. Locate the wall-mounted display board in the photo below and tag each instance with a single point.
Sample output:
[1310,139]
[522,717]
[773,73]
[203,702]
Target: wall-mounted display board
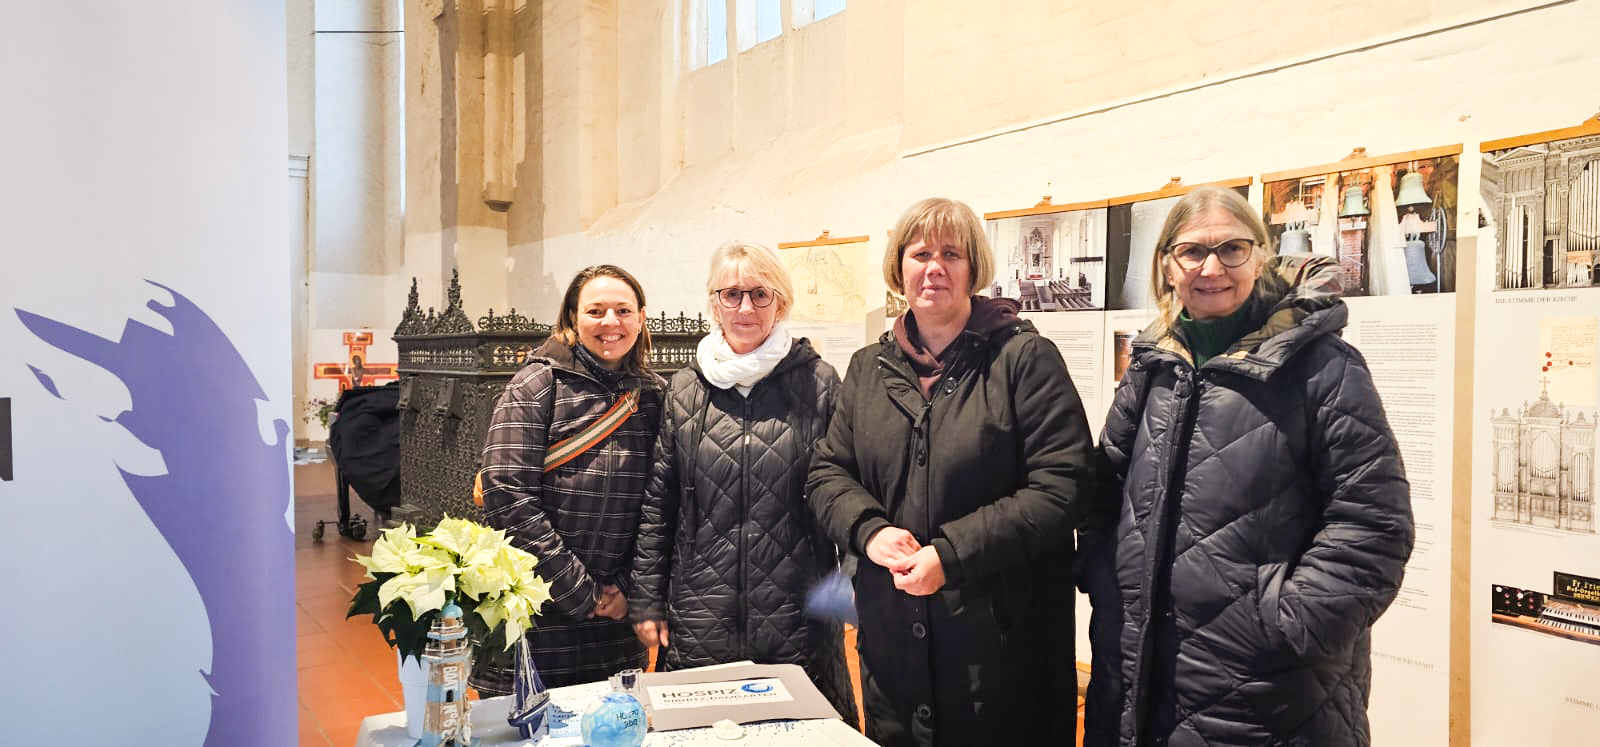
[1410,347]
[1388,220]
[833,278]
[1052,258]
[1536,542]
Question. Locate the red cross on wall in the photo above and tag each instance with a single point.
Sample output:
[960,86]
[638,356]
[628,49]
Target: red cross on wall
[356,370]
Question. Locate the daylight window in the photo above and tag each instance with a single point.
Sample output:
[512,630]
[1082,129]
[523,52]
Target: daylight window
[711,24]
[757,21]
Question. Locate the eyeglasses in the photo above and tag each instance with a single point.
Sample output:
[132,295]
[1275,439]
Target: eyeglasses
[1232,253]
[733,298]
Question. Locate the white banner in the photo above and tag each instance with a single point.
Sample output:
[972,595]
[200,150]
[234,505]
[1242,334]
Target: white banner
[144,323]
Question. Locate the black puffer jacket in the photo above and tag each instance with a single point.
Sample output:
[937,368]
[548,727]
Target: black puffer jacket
[1264,525]
[727,547]
[989,470]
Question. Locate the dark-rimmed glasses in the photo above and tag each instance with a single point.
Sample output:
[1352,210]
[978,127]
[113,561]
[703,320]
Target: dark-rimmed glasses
[733,298]
[1231,253]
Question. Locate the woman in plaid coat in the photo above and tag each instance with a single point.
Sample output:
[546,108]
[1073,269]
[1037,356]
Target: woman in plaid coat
[580,518]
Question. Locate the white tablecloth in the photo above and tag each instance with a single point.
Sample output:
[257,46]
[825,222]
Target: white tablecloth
[489,724]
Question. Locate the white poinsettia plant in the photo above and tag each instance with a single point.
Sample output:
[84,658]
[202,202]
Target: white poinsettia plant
[461,562]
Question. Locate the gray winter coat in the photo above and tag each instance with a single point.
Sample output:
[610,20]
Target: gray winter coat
[727,546]
[1264,525]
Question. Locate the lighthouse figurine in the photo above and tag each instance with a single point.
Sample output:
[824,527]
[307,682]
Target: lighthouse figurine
[447,658]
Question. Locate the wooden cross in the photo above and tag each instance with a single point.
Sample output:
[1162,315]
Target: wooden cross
[356,370]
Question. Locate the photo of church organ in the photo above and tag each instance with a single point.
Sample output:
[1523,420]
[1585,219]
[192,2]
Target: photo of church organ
[1542,204]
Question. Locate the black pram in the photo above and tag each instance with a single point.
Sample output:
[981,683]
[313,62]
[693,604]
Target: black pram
[364,439]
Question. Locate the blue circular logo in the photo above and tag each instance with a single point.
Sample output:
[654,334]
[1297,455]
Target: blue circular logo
[756,687]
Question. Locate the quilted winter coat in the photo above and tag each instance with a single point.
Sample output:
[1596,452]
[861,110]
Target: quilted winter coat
[727,546]
[990,471]
[1264,525]
[579,519]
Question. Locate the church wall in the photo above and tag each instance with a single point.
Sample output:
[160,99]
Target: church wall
[355,251]
[1428,77]
[300,53]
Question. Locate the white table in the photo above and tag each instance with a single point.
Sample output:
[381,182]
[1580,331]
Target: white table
[489,725]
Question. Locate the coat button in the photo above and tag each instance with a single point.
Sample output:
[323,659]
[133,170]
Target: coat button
[919,631]
[924,712]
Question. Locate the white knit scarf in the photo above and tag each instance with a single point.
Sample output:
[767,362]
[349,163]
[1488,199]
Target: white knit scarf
[725,368]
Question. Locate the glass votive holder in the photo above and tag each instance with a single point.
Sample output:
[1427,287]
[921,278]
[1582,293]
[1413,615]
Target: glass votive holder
[626,681]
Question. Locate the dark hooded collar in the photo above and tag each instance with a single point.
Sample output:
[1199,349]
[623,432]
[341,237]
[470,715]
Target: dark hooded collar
[561,356]
[989,316]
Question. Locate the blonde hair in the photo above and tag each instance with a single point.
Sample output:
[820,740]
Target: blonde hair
[638,359]
[753,261]
[938,217]
[1191,207]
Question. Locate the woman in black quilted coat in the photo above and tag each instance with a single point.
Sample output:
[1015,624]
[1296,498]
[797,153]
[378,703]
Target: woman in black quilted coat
[579,518]
[727,547]
[1264,519]
[955,465]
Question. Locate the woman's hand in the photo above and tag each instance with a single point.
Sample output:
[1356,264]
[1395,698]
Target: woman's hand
[612,603]
[890,545]
[920,573]
[651,633]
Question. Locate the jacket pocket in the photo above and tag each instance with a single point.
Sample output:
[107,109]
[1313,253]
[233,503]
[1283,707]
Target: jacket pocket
[1270,578]
[1286,701]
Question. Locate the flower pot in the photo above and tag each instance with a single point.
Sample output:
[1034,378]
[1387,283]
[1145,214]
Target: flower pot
[414,686]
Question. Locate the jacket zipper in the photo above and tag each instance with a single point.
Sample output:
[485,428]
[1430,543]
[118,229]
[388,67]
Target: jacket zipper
[1188,392]
[744,519]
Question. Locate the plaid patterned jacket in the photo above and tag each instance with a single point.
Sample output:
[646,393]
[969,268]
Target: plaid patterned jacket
[579,520]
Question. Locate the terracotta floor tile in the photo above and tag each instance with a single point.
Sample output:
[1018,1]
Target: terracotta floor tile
[338,685]
[337,715]
[344,737]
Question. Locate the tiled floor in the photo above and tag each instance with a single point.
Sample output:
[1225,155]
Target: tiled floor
[347,672]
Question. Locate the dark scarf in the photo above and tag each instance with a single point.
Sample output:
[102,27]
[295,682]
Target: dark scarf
[988,315]
[1209,338]
[591,364]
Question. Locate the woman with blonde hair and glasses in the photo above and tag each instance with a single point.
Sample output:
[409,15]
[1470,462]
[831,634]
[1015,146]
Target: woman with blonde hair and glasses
[727,547]
[956,465]
[1261,521]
